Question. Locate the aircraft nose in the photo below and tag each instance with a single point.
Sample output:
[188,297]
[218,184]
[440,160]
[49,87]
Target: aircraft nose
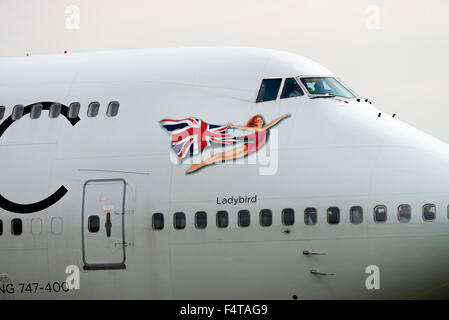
[412,162]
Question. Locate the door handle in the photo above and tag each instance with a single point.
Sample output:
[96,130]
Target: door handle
[108,225]
[310,253]
[316,272]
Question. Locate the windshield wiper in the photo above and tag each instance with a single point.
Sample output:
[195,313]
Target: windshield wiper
[327,95]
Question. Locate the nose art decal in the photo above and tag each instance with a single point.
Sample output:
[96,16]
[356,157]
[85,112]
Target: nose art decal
[190,136]
[58,194]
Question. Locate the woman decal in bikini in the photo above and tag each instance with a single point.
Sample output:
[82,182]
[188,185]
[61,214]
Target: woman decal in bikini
[253,142]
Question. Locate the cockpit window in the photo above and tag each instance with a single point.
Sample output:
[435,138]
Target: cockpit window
[269,90]
[291,89]
[326,86]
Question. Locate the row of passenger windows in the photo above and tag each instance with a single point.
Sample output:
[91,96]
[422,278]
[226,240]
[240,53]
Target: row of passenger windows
[288,216]
[269,89]
[36,226]
[244,218]
[55,110]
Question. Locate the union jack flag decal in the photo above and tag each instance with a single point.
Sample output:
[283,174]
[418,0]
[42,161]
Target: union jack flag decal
[190,136]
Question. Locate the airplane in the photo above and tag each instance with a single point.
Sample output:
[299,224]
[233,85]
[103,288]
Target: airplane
[212,173]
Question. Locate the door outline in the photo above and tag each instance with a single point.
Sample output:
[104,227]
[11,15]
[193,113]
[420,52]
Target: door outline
[104,266]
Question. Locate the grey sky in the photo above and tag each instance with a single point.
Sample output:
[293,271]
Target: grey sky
[402,66]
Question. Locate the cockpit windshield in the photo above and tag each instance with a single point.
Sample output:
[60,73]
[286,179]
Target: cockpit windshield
[326,86]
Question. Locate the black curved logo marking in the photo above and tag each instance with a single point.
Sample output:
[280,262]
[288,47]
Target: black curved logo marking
[58,194]
[33,207]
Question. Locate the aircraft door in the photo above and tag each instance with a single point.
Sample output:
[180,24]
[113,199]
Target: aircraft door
[103,224]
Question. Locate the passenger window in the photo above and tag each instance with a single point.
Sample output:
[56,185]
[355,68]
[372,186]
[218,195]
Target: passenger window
[310,216]
[180,220]
[356,215]
[93,224]
[380,213]
[55,110]
[333,215]
[429,212]
[291,89]
[201,220]
[57,225]
[269,90]
[93,109]
[2,112]
[36,111]
[1,227]
[222,219]
[16,227]
[113,109]
[404,213]
[266,217]
[158,221]
[17,112]
[288,217]
[244,218]
[74,110]
[36,226]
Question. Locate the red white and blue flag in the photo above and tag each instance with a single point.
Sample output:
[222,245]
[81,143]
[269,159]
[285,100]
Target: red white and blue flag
[190,136]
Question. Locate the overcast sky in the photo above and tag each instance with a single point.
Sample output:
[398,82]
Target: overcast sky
[393,52]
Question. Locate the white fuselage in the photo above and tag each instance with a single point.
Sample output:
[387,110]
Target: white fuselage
[328,153]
